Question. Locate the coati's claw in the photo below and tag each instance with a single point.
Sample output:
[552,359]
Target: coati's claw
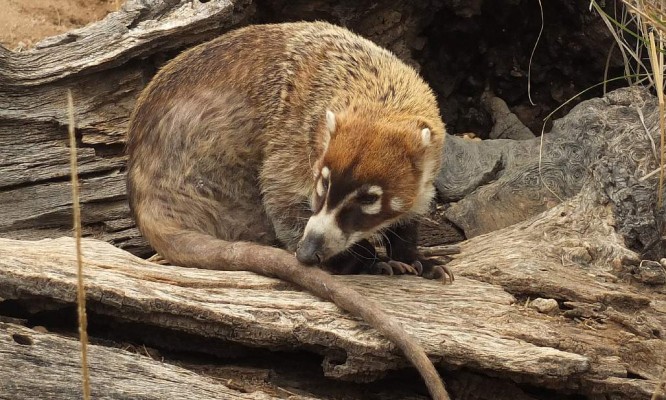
[448,272]
[392,267]
[382,268]
[431,269]
[440,273]
[443,272]
[418,267]
[401,268]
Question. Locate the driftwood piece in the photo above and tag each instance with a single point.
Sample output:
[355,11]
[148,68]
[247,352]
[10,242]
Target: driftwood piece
[497,183]
[471,323]
[45,366]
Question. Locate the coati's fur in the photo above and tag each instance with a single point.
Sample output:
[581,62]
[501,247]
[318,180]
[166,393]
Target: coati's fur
[230,141]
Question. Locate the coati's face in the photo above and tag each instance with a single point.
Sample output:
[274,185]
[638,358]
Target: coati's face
[370,176]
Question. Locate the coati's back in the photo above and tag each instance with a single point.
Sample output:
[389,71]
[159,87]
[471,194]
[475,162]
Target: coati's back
[229,138]
[196,140]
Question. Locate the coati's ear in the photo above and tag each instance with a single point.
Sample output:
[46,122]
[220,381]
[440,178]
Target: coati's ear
[330,129]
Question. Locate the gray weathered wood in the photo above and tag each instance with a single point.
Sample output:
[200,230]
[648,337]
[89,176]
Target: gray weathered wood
[105,64]
[497,183]
[469,324]
[46,366]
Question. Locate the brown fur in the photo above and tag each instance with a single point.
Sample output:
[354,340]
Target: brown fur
[223,142]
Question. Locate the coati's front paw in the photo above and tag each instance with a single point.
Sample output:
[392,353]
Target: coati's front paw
[392,267]
[431,269]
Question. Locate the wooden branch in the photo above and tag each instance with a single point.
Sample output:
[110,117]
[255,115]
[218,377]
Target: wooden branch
[435,251]
[52,363]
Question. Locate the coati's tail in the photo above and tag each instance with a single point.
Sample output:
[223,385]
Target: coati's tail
[203,251]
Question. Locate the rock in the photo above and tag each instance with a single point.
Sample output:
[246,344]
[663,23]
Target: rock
[545,306]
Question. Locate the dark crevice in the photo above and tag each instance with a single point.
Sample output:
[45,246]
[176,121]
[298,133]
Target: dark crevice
[22,339]
[632,375]
[60,179]
[104,150]
[465,55]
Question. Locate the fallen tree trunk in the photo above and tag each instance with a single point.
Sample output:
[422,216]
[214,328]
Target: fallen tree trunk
[470,324]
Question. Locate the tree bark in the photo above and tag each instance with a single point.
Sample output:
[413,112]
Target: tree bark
[497,183]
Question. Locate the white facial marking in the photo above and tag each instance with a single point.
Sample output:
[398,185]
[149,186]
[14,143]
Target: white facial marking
[320,187]
[376,190]
[376,207]
[397,204]
[325,172]
[373,208]
[324,223]
[425,136]
[330,121]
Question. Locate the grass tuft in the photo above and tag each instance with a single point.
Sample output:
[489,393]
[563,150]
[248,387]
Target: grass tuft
[639,29]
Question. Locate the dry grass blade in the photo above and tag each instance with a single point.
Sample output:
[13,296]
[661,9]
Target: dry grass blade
[80,292]
[660,390]
[657,61]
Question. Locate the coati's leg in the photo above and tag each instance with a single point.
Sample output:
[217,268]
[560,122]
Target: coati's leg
[401,247]
[360,258]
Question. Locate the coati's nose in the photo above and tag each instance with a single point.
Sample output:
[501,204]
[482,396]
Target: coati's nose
[309,249]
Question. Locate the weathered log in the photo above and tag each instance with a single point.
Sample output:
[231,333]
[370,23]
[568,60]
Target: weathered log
[106,64]
[502,182]
[472,324]
[45,366]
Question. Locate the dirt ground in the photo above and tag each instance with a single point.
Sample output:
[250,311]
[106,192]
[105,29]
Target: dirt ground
[25,22]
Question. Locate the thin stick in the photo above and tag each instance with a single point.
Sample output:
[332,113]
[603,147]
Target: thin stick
[80,290]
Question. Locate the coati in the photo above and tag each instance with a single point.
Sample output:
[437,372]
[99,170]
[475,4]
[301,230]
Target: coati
[298,135]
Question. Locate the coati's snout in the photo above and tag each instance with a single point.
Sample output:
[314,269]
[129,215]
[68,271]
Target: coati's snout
[322,239]
[309,250]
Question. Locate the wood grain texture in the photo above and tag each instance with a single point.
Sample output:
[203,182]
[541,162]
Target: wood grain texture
[471,324]
[497,183]
[46,366]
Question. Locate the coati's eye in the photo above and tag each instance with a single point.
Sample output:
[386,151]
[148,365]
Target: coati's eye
[367,199]
[324,183]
